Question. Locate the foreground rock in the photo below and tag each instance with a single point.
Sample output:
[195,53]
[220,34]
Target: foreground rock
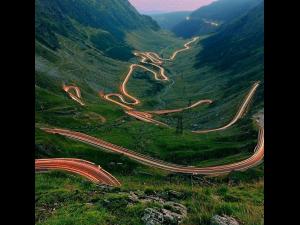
[153,217]
[223,220]
[166,211]
[171,214]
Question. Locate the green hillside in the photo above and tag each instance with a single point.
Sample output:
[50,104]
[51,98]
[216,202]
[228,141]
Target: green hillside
[210,18]
[169,20]
[89,43]
[242,39]
[221,67]
[87,20]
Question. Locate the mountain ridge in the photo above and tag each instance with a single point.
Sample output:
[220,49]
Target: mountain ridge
[210,18]
[171,19]
[90,20]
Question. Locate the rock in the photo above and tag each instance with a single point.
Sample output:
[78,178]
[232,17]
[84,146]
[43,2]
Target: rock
[133,197]
[176,207]
[171,217]
[172,214]
[171,195]
[223,220]
[152,199]
[139,193]
[153,217]
[107,188]
[139,196]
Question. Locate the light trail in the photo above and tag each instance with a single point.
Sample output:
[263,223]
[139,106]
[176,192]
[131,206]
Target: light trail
[81,167]
[156,61]
[146,117]
[239,113]
[97,175]
[252,161]
[167,111]
[76,97]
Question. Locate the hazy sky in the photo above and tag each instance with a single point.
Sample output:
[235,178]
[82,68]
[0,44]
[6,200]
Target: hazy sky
[168,5]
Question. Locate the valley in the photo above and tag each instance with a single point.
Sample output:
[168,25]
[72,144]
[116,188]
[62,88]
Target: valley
[163,116]
[156,60]
[147,117]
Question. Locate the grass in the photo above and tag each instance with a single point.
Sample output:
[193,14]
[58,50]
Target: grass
[79,202]
[162,143]
[92,71]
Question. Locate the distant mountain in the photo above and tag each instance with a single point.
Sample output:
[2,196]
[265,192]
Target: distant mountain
[170,20]
[210,18]
[222,67]
[241,39]
[237,49]
[152,12]
[93,20]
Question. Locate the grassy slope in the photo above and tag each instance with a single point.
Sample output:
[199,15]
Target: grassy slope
[78,202]
[90,69]
[190,149]
[221,12]
[91,21]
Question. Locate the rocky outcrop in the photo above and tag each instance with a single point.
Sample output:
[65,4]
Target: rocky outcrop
[223,220]
[176,207]
[171,214]
[168,212]
[153,217]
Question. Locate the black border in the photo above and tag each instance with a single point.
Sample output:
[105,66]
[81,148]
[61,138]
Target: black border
[18,98]
[18,105]
[280,112]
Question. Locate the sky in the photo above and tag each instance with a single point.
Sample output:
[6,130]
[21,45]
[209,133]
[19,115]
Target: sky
[145,6]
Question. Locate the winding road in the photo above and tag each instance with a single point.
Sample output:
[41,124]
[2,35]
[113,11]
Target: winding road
[239,166]
[147,116]
[241,111]
[144,116]
[76,97]
[167,111]
[156,61]
[97,175]
[84,168]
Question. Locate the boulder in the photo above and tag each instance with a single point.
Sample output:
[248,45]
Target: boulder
[171,218]
[223,220]
[172,214]
[153,217]
[133,197]
[107,188]
[176,207]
